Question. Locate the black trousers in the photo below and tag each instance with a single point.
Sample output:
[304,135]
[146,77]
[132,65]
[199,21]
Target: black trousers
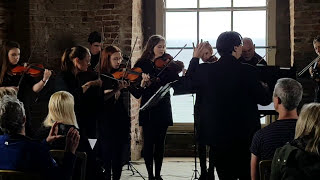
[233,162]
[154,143]
[202,150]
[111,152]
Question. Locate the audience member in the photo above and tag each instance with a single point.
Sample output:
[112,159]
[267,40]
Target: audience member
[18,152]
[300,159]
[286,98]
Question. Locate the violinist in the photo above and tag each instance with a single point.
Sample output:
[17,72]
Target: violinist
[154,121]
[74,64]
[21,80]
[114,124]
[249,55]
[315,69]
[94,40]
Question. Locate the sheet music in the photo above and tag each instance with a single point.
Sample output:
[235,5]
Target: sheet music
[269,107]
[92,142]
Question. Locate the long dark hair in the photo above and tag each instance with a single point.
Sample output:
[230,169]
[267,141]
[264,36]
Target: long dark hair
[106,57]
[148,53]
[71,53]
[4,60]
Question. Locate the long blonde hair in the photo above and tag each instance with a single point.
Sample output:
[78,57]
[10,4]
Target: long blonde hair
[61,109]
[308,125]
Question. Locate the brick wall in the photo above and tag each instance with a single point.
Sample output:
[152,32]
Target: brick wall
[304,26]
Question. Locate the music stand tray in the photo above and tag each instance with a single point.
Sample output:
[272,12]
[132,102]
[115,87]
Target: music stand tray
[162,91]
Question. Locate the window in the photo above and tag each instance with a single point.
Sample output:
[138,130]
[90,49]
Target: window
[187,21]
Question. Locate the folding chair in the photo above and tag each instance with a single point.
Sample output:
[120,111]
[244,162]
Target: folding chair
[265,169]
[18,175]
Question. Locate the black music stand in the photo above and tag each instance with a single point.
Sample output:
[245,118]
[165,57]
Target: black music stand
[154,100]
[180,91]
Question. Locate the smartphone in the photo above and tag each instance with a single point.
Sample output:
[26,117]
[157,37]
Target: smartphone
[64,129]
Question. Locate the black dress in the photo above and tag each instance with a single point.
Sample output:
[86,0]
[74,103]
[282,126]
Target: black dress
[88,104]
[156,119]
[114,131]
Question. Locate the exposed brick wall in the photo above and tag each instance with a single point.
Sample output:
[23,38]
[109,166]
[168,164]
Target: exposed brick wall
[59,24]
[304,26]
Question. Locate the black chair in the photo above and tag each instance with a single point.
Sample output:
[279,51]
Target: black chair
[265,169]
[80,164]
[18,175]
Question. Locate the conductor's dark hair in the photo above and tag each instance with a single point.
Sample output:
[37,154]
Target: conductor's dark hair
[227,41]
[94,37]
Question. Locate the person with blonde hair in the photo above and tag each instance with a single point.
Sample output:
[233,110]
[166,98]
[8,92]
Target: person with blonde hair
[61,110]
[300,159]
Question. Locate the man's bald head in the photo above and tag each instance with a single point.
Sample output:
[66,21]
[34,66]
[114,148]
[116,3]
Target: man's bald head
[248,49]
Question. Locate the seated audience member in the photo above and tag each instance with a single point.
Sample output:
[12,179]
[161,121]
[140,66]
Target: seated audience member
[249,55]
[19,152]
[286,98]
[300,159]
[61,110]
[10,91]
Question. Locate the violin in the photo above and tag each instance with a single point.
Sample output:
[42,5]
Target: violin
[128,74]
[166,61]
[34,70]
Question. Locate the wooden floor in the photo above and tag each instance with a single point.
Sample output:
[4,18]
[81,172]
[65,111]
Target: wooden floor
[173,168]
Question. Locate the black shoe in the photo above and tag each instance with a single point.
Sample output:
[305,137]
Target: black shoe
[158,178]
[203,176]
[210,176]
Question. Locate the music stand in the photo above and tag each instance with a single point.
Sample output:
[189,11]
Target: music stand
[177,92]
[154,100]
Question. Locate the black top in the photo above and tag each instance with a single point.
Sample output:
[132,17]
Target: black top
[161,114]
[255,60]
[230,93]
[88,104]
[267,140]
[25,93]
[94,61]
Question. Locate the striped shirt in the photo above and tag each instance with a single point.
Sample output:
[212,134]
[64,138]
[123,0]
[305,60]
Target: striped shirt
[275,135]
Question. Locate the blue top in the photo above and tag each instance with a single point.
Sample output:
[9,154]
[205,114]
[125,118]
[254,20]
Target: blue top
[21,153]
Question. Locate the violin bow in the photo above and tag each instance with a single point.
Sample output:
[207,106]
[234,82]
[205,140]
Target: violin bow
[114,40]
[171,60]
[23,74]
[261,59]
